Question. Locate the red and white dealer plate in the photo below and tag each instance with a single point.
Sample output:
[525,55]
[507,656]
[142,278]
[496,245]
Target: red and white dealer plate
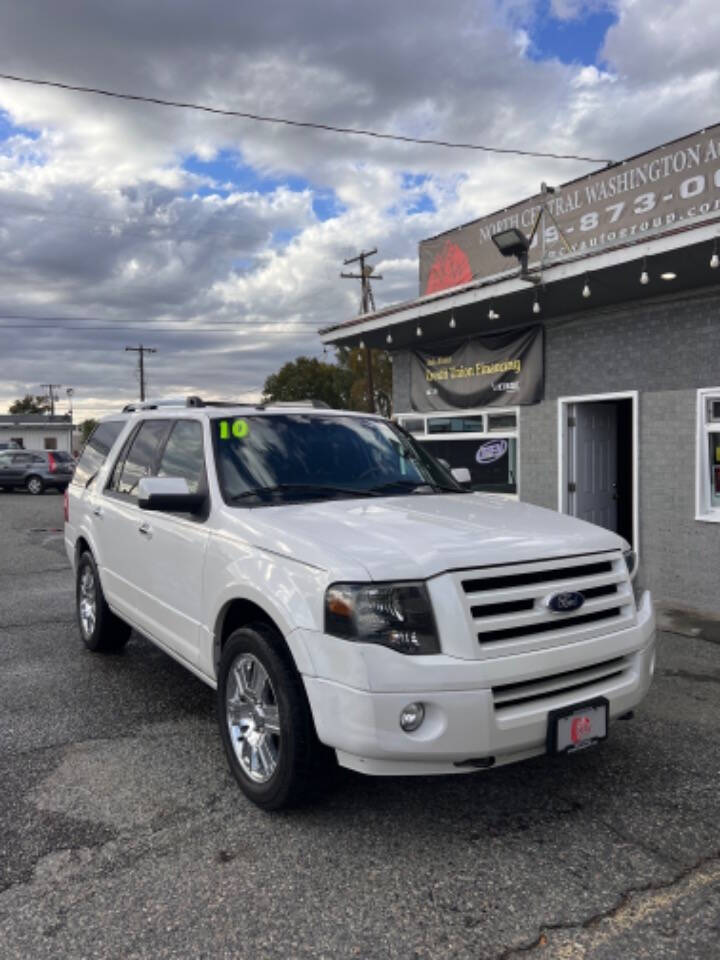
[577,727]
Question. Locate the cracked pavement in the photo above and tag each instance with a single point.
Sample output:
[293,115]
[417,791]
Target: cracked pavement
[122,833]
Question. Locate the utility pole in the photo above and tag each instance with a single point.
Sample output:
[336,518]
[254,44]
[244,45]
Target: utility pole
[367,302]
[51,393]
[141,351]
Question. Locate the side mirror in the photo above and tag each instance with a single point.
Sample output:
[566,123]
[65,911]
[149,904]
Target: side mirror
[461,474]
[171,494]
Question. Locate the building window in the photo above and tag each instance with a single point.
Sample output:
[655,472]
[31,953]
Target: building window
[708,455]
[456,424]
[50,443]
[484,441]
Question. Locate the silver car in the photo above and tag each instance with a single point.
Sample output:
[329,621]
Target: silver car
[36,470]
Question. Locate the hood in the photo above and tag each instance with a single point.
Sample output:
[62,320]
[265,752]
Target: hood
[419,536]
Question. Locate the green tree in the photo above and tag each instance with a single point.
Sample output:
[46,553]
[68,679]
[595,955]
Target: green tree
[30,404]
[86,428]
[309,379]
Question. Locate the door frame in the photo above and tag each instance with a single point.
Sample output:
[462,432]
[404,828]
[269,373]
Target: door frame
[563,451]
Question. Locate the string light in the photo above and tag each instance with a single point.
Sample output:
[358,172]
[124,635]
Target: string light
[715,259]
[492,315]
[586,289]
[644,278]
[388,338]
[418,331]
[536,308]
[453,323]
[362,344]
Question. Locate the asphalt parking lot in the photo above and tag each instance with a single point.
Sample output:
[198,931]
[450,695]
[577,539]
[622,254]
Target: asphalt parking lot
[122,833]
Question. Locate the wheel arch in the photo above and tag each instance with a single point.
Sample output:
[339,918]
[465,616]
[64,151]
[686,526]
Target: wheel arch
[239,612]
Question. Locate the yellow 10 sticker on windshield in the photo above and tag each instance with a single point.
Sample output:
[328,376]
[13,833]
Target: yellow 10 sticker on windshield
[237,429]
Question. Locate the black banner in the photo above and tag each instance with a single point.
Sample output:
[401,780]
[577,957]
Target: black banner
[504,370]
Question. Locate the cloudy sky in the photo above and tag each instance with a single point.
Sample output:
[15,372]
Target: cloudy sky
[219,241]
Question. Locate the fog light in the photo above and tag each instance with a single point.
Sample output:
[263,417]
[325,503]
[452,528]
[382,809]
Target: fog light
[412,716]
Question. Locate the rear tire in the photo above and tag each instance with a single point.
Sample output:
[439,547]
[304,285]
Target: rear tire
[100,629]
[34,485]
[265,721]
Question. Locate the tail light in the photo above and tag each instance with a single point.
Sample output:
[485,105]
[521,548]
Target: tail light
[52,463]
[66,506]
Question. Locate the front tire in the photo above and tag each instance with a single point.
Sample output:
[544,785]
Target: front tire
[265,722]
[100,629]
[34,485]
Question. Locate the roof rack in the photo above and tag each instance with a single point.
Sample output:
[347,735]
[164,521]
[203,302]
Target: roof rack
[163,402]
[315,404]
[194,401]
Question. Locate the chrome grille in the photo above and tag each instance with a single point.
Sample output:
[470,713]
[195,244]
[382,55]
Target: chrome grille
[509,605]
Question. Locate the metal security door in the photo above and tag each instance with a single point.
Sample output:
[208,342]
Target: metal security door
[594,493]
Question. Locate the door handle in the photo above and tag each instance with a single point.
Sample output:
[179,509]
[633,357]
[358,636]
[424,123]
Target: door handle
[145,529]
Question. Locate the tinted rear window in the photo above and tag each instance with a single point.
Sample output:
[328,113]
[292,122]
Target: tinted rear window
[61,455]
[96,450]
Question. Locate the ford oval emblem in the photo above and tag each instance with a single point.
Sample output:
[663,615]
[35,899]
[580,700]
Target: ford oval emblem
[565,602]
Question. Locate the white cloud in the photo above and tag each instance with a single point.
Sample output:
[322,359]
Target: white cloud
[100,218]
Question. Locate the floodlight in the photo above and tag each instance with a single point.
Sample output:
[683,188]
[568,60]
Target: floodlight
[511,243]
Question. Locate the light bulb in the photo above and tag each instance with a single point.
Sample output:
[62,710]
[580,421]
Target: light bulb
[388,338]
[418,331]
[715,261]
[536,306]
[586,290]
[362,344]
[453,324]
[644,278]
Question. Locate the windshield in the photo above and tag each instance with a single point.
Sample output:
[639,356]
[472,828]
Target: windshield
[295,457]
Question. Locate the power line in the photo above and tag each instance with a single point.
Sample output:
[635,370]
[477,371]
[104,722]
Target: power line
[288,328]
[352,131]
[78,323]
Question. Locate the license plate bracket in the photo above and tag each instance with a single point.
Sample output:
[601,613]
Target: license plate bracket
[578,727]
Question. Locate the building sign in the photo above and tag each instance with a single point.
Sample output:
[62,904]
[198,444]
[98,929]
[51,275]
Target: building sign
[653,193]
[499,370]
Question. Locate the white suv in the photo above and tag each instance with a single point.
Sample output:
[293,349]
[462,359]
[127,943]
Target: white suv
[347,597]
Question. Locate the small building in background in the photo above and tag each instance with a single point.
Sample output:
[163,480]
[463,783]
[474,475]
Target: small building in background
[586,380]
[36,431]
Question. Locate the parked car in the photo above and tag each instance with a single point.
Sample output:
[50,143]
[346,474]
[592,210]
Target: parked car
[36,470]
[347,597]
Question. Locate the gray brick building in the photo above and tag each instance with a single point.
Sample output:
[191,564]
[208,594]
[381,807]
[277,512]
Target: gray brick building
[621,422]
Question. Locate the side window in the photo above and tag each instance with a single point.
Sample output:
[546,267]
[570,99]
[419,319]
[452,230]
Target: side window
[141,458]
[96,450]
[22,458]
[708,456]
[183,455]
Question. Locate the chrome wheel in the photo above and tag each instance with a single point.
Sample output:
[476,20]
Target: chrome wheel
[87,603]
[34,485]
[253,718]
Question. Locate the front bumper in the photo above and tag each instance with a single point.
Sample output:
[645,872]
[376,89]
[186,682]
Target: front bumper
[464,725]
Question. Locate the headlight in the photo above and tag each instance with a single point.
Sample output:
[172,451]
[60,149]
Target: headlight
[395,615]
[631,561]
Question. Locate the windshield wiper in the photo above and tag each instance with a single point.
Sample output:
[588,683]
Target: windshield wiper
[416,486]
[302,488]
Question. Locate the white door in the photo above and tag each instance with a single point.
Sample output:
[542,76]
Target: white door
[594,462]
[154,560]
